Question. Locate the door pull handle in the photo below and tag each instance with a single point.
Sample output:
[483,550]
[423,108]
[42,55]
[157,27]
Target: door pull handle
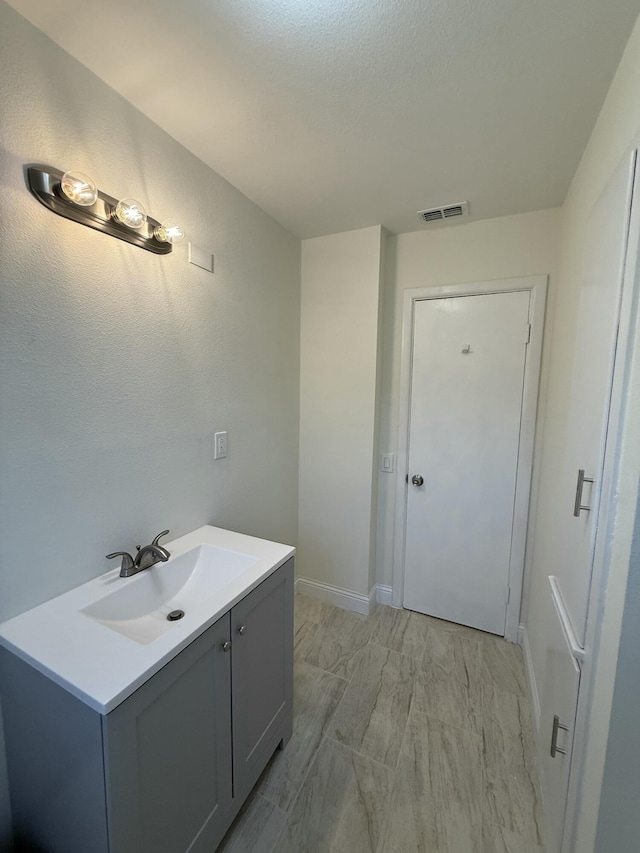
[557,726]
[578,505]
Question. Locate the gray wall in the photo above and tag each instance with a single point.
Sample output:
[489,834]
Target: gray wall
[619,819]
[116,365]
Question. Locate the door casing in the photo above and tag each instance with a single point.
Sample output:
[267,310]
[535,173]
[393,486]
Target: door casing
[537,287]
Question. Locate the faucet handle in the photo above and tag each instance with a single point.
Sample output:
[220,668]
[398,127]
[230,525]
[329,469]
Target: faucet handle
[164,533]
[127,560]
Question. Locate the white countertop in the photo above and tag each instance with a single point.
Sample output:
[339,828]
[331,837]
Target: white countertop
[102,667]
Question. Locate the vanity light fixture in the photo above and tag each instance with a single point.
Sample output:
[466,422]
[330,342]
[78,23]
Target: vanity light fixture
[75,196]
[79,188]
[169,232]
[130,213]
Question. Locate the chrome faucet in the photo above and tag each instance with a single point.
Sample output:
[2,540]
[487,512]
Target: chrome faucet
[144,559]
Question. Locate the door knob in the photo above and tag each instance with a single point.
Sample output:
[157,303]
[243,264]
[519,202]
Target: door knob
[242,629]
[417,480]
[226,646]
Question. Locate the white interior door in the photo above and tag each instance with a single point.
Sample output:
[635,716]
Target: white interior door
[467,378]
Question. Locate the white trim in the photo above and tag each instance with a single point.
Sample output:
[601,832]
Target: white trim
[345,598]
[384,594]
[563,615]
[523,639]
[537,286]
[373,599]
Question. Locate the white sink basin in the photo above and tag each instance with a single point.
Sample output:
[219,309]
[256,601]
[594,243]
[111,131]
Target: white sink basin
[105,638]
[140,607]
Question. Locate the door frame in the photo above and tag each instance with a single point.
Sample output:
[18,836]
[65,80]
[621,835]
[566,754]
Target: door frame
[537,287]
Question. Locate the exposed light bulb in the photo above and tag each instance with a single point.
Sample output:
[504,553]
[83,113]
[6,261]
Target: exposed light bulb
[79,188]
[131,213]
[169,232]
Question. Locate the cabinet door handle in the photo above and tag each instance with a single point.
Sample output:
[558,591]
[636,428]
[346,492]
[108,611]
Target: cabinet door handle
[578,506]
[557,726]
[226,646]
[242,629]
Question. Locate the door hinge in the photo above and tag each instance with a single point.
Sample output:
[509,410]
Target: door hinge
[527,338]
[508,594]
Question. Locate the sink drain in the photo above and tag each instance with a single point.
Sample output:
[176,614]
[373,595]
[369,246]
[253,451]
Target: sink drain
[175,615]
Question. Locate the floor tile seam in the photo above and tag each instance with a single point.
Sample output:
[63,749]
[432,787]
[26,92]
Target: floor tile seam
[328,671]
[491,682]
[470,687]
[268,800]
[276,841]
[324,671]
[312,760]
[364,755]
[342,699]
[437,719]
[378,692]
[412,663]
[428,659]
[395,651]
[312,763]
[424,648]
[419,713]
[388,802]
[294,799]
[392,787]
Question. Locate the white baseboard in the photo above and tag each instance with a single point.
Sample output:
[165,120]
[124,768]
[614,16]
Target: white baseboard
[531,676]
[345,598]
[384,594]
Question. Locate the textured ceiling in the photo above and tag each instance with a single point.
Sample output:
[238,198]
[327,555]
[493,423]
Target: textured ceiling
[339,114]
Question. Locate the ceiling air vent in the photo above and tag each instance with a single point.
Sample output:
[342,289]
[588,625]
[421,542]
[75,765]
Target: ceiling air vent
[437,214]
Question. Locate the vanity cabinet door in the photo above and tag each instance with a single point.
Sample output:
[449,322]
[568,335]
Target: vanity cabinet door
[262,675]
[168,754]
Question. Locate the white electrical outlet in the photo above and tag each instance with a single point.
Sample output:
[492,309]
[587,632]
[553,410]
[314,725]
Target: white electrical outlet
[220,445]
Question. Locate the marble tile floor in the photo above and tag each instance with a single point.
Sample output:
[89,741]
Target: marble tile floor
[411,735]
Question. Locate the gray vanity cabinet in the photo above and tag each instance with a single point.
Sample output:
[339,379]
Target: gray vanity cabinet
[262,675]
[167,752]
[168,769]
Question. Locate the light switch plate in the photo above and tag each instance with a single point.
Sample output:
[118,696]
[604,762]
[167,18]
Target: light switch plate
[220,445]
[387,463]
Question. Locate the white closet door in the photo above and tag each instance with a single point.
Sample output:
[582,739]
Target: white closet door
[558,705]
[572,538]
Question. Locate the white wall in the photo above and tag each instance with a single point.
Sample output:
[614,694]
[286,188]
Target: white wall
[616,129]
[117,365]
[477,251]
[340,306]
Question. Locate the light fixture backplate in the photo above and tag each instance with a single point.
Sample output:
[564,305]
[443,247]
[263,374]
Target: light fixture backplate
[44,183]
